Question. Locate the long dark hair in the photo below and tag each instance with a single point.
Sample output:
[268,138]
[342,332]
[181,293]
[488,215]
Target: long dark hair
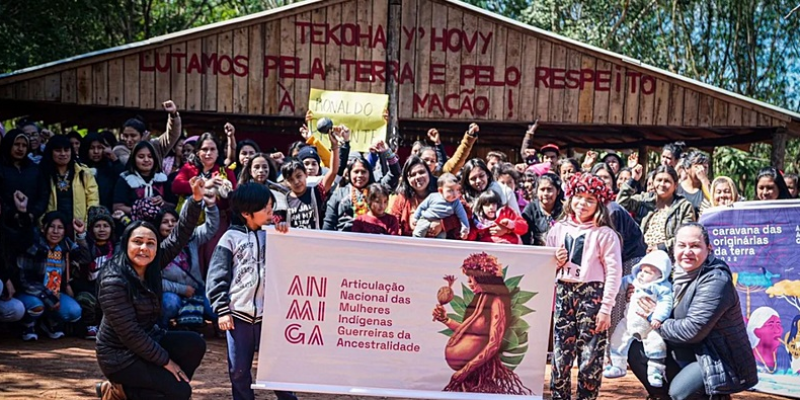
[404,188]
[247,176]
[555,181]
[239,146]
[195,159]
[48,165]
[131,165]
[607,168]
[470,194]
[772,172]
[86,143]
[8,143]
[152,275]
[364,163]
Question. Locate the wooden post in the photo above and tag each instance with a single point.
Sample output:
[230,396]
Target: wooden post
[393,35]
[778,149]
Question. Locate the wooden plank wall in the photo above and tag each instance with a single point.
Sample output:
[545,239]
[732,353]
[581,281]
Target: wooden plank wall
[454,64]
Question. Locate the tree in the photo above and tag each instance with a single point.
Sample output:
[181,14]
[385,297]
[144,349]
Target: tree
[788,291]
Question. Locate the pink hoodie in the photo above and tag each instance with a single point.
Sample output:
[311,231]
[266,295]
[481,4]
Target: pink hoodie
[600,260]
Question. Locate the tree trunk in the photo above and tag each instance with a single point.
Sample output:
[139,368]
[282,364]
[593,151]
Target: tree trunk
[393,35]
[778,149]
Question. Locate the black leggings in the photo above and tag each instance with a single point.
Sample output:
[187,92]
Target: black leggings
[681,383]
[145,380]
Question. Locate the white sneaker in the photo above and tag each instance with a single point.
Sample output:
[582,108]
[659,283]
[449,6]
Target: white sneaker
[52,330]
[29,334]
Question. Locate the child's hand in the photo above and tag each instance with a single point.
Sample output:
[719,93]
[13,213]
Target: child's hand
[412,222]
[464,235]
[282,227]
[561,256]
[507,223]
[655,324]
[603,322]
[225,323]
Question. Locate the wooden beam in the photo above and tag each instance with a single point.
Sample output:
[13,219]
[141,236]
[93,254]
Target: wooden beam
[393,35]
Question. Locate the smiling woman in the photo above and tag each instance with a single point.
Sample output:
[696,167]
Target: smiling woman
[708,352]
[141,359]
[72,186]
[142,180]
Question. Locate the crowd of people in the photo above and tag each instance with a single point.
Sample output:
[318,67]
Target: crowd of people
[134,241]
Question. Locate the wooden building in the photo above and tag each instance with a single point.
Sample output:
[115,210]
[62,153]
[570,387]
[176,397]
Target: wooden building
[443,63]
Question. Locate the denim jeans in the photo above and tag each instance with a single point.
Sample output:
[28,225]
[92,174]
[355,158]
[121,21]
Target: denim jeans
[243,342]
[171,303]
[11,310]
[69,311]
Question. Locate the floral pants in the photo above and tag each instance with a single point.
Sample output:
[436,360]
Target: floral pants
[577,306]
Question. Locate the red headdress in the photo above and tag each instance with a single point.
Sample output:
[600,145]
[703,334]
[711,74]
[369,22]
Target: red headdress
[590,184]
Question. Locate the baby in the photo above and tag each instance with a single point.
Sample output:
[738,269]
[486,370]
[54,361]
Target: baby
[441,205]
[649,279]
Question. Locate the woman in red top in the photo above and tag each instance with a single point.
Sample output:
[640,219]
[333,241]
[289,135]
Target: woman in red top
[206,162]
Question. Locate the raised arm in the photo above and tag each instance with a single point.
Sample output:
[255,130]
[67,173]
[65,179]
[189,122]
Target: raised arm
[164,143]
[180,236]
[462,151]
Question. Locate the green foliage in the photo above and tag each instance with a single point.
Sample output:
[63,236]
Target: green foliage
[515,340]
[40,31]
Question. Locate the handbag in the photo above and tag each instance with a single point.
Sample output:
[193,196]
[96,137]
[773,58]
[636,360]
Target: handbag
[191,312]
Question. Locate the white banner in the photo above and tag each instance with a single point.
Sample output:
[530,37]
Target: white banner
[353,314]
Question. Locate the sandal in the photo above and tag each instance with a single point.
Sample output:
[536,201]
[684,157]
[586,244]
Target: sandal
[613,372]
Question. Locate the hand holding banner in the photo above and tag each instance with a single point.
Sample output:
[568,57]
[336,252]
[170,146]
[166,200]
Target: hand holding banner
[362,113]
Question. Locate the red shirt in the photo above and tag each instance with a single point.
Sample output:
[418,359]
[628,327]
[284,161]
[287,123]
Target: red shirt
[384,225]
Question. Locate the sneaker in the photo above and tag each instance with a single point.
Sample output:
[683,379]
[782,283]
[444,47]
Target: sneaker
[613,372]
[52,329]
[29,333]
[91,333]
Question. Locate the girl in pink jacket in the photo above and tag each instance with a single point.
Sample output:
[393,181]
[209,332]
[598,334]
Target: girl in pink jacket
[497,223]
[589,274]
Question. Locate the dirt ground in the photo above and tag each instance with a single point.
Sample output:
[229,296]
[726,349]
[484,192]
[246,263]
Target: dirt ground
[67,369]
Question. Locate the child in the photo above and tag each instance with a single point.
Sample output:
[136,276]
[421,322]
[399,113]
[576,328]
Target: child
[649,279]
[491,217]
[441,205]
[589,272]
[45,276]
[238,261]
[100,241]
[376,220]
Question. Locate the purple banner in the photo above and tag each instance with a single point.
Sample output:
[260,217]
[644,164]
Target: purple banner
[761,244]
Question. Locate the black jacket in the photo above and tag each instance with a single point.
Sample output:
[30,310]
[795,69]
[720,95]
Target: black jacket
[131,309]
[708,321]
[106,174]
[539,223]
[27,180]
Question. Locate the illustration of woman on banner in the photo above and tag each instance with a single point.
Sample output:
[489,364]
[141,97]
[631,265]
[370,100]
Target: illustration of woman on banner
[765,333]
[473,350]
[793,344]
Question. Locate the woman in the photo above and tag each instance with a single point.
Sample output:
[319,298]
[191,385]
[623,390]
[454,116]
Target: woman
[476,178]
[614,162]
[723,193]
[142,180]
[45,276]
[544,210]
[19,173]
[181,278]
[765,333]
[350,199]
[770,185]
[708,352]
[695,187]
[245,150]
[671,154]
[661,213]
[104,164]
[72,186]
[473,350]
[416,183]
[206,162]
[139,358]
[606,173]
[567,167]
